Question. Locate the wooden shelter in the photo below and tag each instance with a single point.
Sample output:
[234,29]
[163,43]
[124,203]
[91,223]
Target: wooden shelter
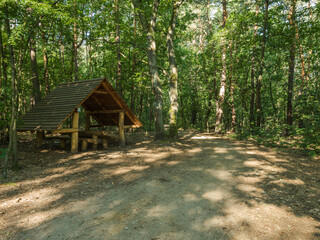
[100,102]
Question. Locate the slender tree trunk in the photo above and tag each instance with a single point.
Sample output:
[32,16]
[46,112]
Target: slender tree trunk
[209,109]
[34,70]
[304,76]
[3,57]
[219,107]
[310,43]
[45,65]
[292,13]
[13,125]
[117,40]
[90,60]
[133,54]
[259,80]
[253,67]
[233,118]
[174,105]
[75,44]
[153,66]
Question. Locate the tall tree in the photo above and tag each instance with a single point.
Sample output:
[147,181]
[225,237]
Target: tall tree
[173,112]
[231,86]
[253,66]
[219,106]
[13,144]
[75,39]
[149,28]
[292,13]
[117,40]
[34,70]
[3,57]
[259,80]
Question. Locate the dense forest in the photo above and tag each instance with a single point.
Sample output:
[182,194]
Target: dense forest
[248,67]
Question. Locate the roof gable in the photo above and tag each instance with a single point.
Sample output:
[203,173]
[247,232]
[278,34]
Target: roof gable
[94,95]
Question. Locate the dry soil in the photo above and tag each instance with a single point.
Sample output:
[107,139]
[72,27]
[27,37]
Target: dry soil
[201,187]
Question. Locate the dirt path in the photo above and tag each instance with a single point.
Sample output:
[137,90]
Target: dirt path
[202,187]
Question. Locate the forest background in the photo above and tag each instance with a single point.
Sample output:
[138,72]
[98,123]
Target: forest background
[249,67]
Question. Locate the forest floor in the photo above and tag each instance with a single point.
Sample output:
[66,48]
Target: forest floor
[201,187]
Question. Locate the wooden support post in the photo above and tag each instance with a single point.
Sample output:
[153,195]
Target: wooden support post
[88,124]
[95,142]
[75,135]
[84,145]
[105,143]
[121,129]
[62,143]
[39,138]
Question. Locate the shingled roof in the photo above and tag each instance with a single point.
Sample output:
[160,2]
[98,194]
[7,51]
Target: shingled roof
[96,96]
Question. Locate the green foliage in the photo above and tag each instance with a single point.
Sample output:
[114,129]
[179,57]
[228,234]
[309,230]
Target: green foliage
[198,45]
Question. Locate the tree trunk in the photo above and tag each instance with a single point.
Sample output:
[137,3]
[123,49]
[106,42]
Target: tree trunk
[34,70]
[253,68]
[173,112]
[219,107]
[133,55]
[259,81]
[233,118]
[149,28]
[310,43]
[45,65]
[292,12]
[117,40]
[13,124]
[3,63]
[75,44]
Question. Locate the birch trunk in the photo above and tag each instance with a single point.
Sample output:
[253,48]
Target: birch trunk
[219,106]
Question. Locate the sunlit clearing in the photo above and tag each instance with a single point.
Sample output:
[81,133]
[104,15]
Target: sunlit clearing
[220,174]
[189,197]
[295,182]
[267,220]
[204,137]
[124,170]
[216,195]
[172,163]
[220,150]
[160,210]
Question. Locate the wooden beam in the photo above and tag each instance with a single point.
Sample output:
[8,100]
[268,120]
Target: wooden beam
[100,105]
[105,143]
[62,143]
[95,142]
[130,126]
[88,123]
[106,111]
[39,138]
[75,135]
[66,130]
[121,103]
[101,92]
[84,145]
[111,93]
[121,129]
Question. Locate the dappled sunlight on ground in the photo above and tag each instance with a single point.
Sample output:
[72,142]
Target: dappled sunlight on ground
[202,187]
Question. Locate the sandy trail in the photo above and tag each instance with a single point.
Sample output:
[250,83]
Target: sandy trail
[202,187]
